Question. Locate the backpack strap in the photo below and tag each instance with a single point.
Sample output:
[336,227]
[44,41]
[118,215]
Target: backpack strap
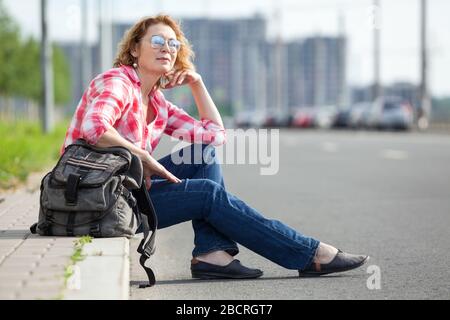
[149,223]
[134,174]
[117,150]
[71,193]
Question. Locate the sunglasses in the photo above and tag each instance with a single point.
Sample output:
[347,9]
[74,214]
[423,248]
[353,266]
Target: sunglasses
[157,42]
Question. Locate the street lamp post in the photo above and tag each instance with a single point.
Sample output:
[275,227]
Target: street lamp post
[106,48]
[377,91]
[85,55]
[278,61]
[47,73]
[425,103]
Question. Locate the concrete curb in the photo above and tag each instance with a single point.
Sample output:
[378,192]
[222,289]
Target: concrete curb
[33,267]
[104,274]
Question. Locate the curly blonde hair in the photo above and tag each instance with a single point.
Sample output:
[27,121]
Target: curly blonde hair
[134,35]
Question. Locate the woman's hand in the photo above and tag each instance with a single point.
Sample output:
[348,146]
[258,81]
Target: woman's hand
[181,77]
[152,167]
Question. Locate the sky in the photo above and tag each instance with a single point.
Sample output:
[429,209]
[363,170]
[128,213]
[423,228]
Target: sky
[398,21]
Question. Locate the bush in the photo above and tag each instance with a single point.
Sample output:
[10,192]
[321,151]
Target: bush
[20,72]
[24,148]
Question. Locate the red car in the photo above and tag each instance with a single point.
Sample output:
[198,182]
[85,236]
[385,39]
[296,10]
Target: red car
[303,118]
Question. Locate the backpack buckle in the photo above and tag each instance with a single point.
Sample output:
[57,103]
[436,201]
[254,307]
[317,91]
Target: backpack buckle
[95,231]
[71,193]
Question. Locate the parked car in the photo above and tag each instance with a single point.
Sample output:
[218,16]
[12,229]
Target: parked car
[370,116]
[396,113]
[276,119]
[324,116]
[358,114]
[342,118]
[385,113]
[250,119]
[303,118]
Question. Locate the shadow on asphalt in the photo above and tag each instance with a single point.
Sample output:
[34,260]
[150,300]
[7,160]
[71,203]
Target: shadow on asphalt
[135,283]
[14,234]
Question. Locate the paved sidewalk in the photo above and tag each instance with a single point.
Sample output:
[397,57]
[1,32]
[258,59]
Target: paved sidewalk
[33,267]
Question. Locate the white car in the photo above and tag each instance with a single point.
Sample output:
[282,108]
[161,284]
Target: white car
[325,116]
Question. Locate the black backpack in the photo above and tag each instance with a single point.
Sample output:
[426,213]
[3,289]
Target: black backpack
[98,192]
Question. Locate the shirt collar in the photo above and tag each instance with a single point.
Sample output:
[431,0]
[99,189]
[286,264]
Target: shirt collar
[132,74]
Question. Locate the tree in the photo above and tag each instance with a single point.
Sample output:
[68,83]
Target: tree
[20,74]
[62,76]
[10,46]
[27,79]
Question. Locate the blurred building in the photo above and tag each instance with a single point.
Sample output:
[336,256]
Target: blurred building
[317,71]
[296,88]
[407,91]
[230,57]
[73,53]
[240,66]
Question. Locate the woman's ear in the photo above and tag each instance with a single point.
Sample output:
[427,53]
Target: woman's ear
[135,51]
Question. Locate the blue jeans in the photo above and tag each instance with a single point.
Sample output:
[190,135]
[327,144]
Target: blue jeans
[219,218]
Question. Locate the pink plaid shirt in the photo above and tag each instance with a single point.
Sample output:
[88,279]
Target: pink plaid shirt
[114,99]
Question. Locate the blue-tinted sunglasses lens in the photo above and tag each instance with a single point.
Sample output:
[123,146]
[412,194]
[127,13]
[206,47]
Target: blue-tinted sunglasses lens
[175,44]
[158,41]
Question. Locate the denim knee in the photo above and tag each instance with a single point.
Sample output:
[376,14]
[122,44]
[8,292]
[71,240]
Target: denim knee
[212,187]
[200,154]
[216,194]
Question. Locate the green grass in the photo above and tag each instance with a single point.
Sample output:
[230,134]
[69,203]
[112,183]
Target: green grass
[24,149]
[78,249]
[77,256]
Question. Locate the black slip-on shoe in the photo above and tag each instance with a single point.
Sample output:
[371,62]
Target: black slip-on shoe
[234,270]
[340,263]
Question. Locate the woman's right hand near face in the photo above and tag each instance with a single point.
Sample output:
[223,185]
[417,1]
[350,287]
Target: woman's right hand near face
[152,167]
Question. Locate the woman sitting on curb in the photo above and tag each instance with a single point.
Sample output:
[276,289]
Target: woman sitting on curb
[125,107]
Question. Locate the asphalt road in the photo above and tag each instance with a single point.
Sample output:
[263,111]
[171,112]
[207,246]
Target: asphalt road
[382,194]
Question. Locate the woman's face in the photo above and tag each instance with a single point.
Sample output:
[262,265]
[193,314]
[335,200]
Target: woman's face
[156,60]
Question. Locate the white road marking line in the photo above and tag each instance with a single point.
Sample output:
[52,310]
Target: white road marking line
[329,147]
[289,141]
[394,154]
